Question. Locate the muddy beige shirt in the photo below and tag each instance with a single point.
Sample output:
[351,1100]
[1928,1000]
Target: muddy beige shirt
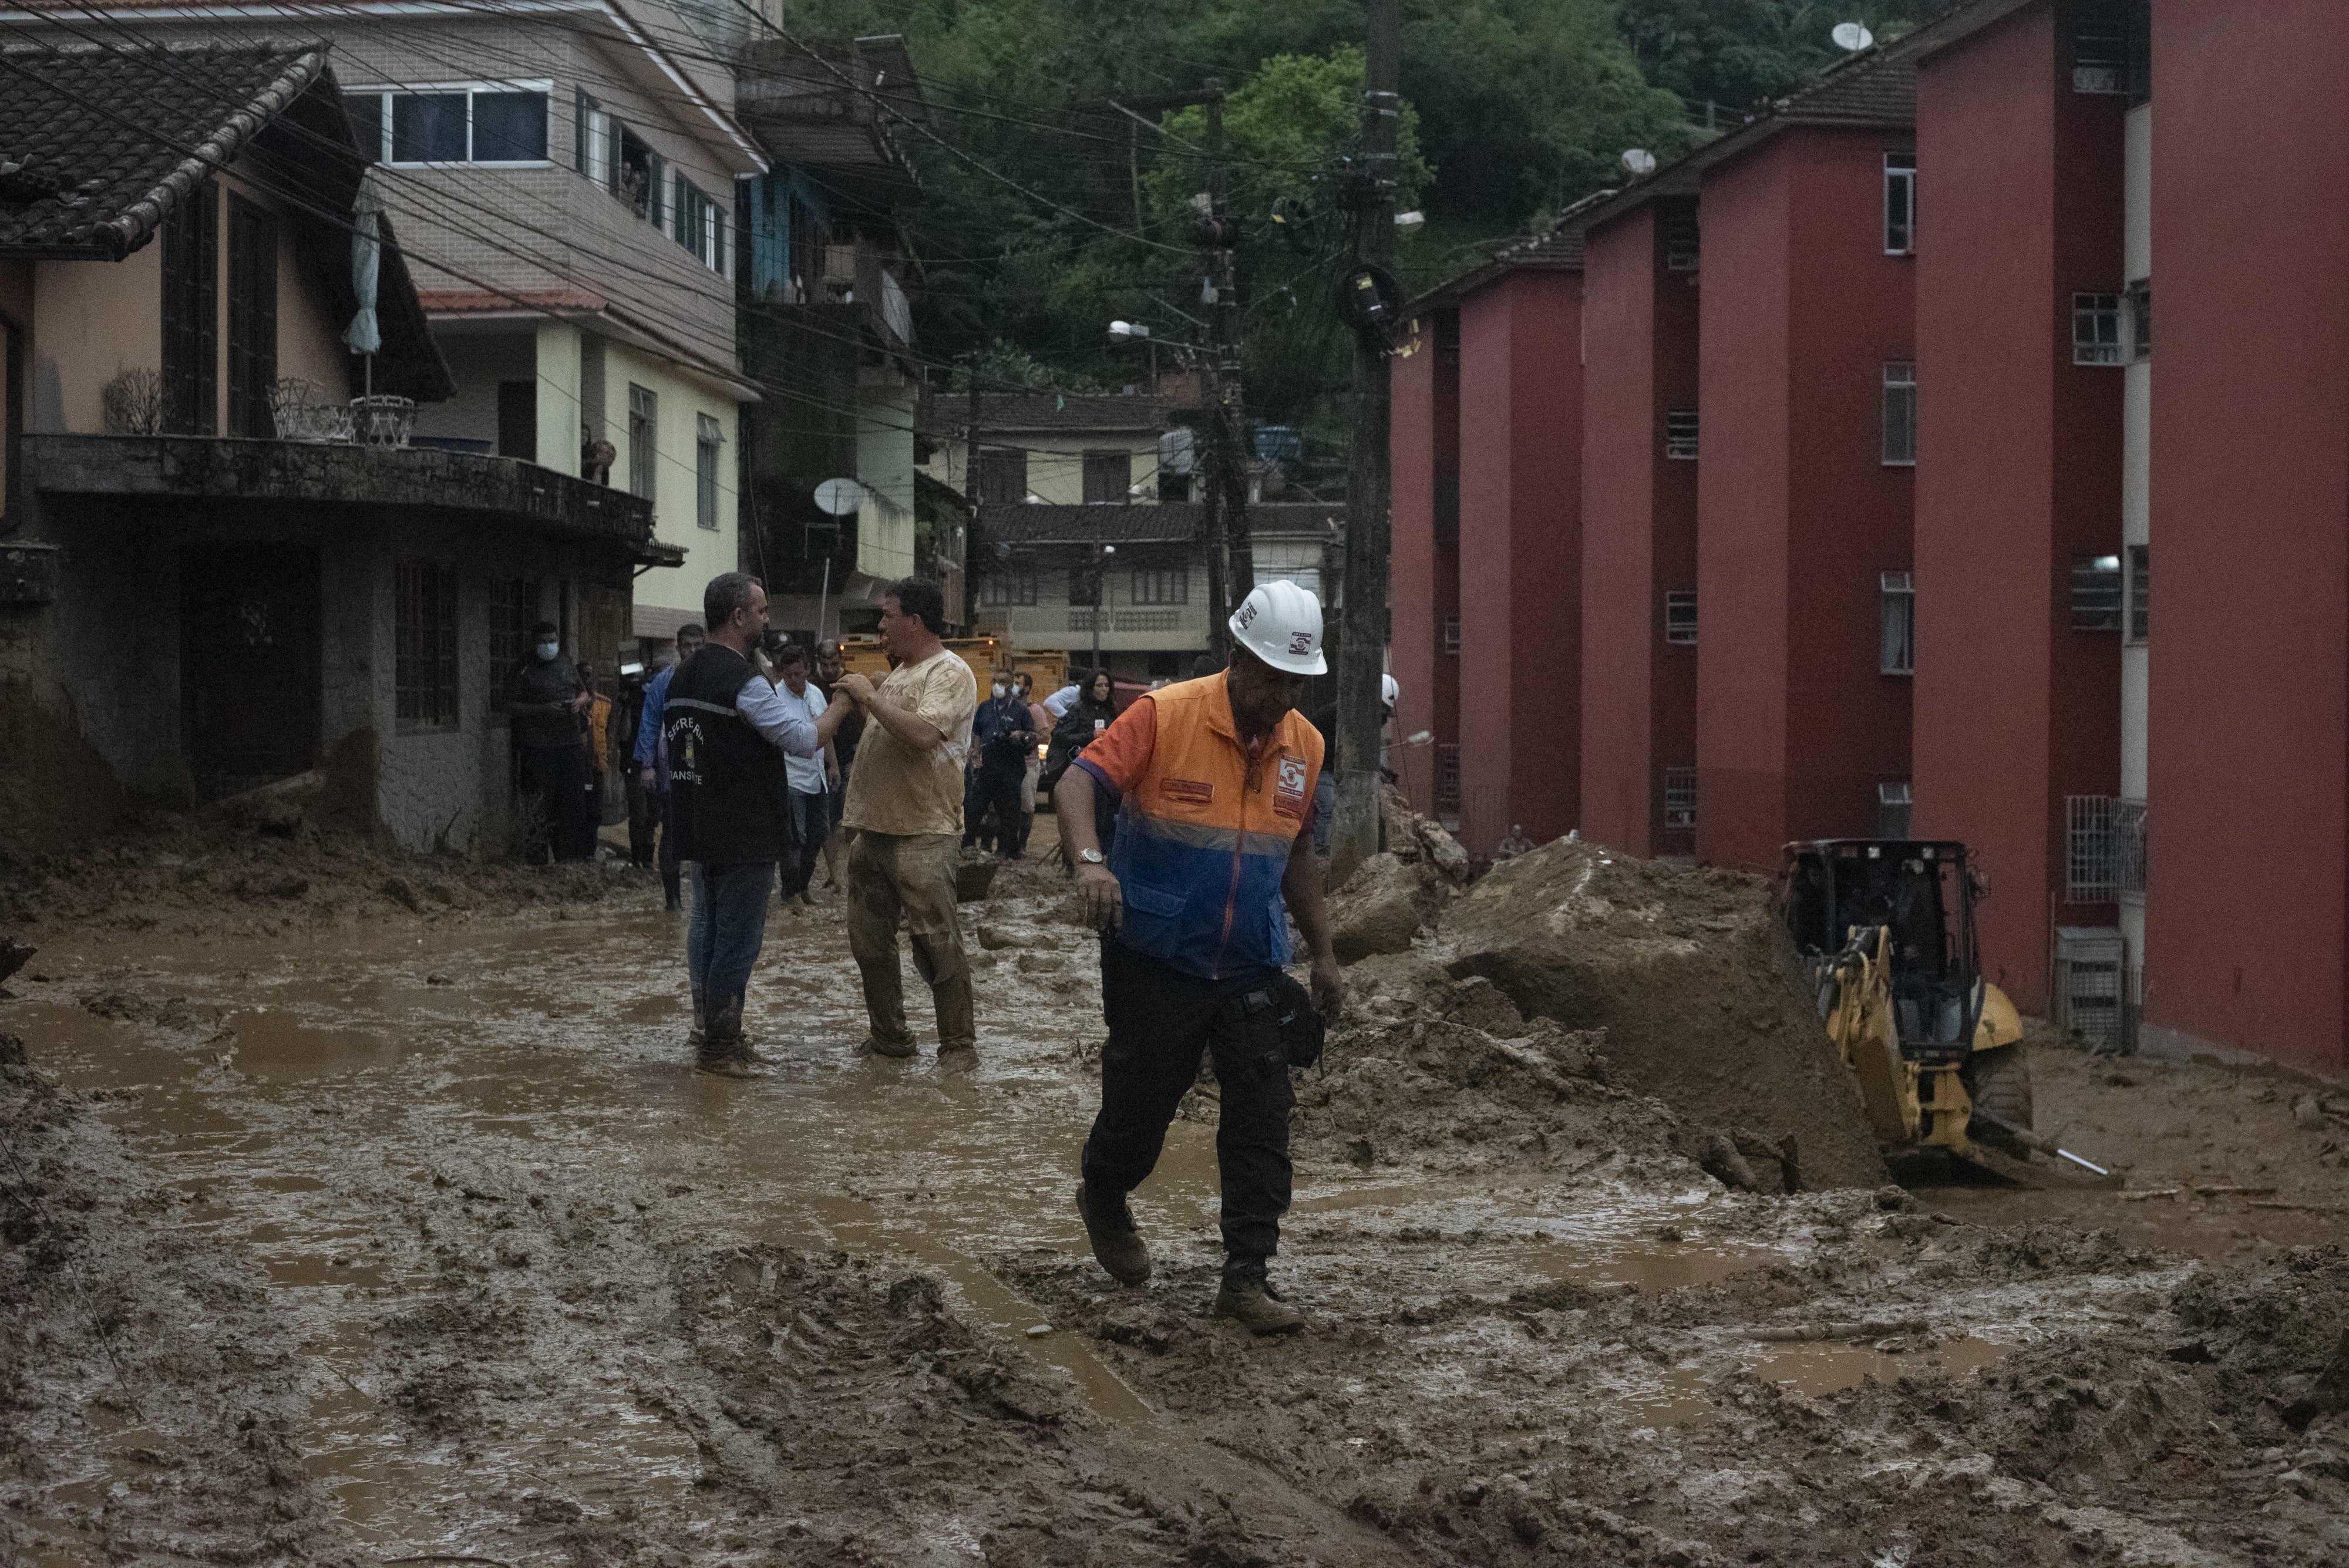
[895,787]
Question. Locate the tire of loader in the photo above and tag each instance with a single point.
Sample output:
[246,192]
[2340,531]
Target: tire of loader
[1998,1082]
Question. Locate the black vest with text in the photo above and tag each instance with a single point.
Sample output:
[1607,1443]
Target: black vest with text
[729,795]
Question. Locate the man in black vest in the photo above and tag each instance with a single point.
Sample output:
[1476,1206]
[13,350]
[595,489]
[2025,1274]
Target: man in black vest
[731,807]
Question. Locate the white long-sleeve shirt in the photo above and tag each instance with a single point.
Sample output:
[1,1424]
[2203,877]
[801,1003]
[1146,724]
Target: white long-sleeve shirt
[781,719]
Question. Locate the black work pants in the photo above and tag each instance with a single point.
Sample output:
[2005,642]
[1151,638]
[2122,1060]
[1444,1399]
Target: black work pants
[558,776]
[1160,1020]
[998,793]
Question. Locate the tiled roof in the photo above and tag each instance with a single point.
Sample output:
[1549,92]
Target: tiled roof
[1871,89]
[97,145]
[1059,411]
[1166,521]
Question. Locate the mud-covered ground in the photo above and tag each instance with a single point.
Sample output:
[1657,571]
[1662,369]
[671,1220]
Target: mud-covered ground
[397,1230]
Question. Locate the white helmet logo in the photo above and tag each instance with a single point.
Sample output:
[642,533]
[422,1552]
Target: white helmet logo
[1280,623]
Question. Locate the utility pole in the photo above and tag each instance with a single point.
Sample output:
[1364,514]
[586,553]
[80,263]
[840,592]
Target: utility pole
[1362,639]
[1219,381]
[971,498]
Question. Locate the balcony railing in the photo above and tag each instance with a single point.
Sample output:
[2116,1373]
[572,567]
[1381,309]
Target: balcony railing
[2106,848]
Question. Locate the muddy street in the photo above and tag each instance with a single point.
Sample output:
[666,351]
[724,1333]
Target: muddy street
[410,1236]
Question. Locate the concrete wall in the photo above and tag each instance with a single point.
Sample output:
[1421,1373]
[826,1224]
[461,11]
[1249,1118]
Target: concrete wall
[478,360]
[1639,532]
[1056,461]
[1799,516]
[2018,473]
[1520,558]
[2248,767]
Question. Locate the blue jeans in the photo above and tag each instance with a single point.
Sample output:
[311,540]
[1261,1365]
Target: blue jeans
[811,818]
[728,928]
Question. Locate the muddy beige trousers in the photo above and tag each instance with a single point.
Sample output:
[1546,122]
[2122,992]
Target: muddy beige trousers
[909,878]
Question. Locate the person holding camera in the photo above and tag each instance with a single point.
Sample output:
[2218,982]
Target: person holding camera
[1214,849]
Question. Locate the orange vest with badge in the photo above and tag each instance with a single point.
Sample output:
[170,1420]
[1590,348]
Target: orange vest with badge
[1204,834]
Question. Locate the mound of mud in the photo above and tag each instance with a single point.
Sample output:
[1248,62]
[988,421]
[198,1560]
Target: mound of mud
[1693,981]
[206,874]
[1447,1076]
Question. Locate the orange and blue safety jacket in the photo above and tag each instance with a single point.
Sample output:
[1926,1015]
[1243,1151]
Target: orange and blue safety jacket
[1205,828]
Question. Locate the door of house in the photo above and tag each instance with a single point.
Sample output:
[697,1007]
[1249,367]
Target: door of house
[249,664]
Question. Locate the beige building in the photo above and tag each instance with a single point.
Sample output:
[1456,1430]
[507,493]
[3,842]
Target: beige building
[217,571]
[563,176]
[1057,449]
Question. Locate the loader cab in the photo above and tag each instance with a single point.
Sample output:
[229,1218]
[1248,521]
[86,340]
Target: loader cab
[1922,891]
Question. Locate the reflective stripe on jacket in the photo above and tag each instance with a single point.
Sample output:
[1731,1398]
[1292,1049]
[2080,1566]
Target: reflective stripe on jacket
[1204,835]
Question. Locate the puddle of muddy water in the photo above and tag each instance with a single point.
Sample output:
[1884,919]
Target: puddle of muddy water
[2217,1229]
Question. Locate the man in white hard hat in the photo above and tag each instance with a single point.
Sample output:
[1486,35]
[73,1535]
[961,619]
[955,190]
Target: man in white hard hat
[1212,851]
[1325,799]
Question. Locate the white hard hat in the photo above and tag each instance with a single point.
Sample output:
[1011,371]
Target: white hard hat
[1280,623]
[1388,689]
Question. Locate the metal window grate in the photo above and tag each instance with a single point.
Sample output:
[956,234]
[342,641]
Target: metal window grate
[2105,856]
[1683,249]
[425,636]
[2140,319]
[1679,435]
[1680,616]
[1161,586]
[2097,594]
[1452,636]
[1679,797]
[2096,330]
[644,433]
[513,609]
[2140,592]
[708,436]
[1447,778]
[2091,963]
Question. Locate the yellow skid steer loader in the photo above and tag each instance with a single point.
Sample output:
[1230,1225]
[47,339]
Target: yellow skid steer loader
[1885,928]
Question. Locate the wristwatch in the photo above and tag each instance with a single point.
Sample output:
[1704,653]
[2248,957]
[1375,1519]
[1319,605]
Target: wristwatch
[1092,856]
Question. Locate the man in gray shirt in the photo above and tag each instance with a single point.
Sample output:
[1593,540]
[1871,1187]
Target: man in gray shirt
[545,699]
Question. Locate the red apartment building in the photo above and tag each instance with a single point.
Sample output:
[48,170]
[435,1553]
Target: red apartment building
[1493,459]
[2017,344]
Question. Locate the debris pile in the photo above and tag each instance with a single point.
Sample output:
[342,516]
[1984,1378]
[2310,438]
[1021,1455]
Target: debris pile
[1400,891]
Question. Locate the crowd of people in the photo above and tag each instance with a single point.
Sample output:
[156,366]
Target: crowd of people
[1187,816]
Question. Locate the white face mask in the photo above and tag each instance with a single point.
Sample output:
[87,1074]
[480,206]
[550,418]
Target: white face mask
[1000,689]
[548,650]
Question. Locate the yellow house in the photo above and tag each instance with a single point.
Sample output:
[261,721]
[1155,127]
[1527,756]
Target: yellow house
[1053,448]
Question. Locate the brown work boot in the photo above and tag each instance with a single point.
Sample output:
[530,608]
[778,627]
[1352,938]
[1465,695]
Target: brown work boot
[1117,1245]
[875,1046]
[1248,1299]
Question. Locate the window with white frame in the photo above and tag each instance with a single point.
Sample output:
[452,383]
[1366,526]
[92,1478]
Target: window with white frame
[1680,434]
[455,122]
[1900,447]
[616,159]
[1680,616]
[644,433]
[2139,558]
[698,223]
[1452,636]
[1679,797]
[708,436]
[1683,239]
[2096,330]
[1900,204]
[1896,594]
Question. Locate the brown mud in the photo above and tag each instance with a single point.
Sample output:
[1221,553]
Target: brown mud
[407,1236]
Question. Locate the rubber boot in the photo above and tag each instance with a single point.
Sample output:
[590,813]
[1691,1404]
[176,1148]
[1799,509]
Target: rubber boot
[1117,1245]
[724,1051]
[1248,1299]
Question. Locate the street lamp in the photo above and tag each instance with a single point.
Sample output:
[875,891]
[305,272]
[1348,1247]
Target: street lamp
[1101,597]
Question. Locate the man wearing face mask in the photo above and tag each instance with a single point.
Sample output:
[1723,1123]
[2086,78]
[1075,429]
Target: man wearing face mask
[1000,735]
[546,702]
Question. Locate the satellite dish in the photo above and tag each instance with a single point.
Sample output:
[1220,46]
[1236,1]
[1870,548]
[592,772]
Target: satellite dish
[1852,36]
[840,496]
[1639,160]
